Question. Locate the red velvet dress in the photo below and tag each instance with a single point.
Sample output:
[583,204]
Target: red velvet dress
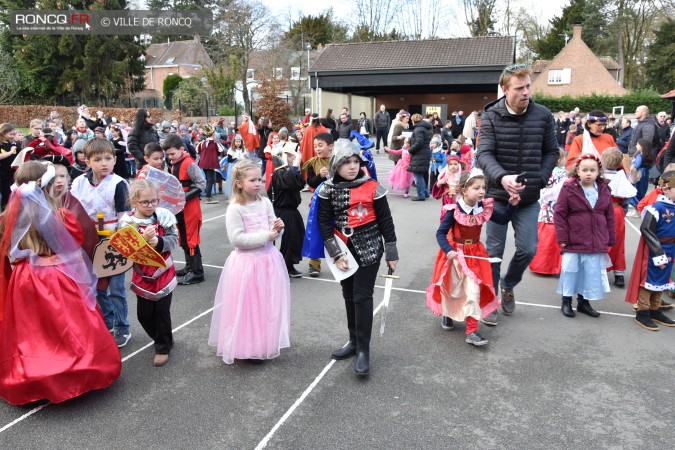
[53,346]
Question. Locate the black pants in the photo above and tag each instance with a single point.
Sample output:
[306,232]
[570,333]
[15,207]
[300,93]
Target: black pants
[210,181]
[193,260]
[155,318]
[381,134]
[6,181]
[357,291]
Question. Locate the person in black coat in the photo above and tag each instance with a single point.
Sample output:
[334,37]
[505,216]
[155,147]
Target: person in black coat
[346,127]
[83,111]
[329,122]
[143,133]
[420,152]
[517,136]
[284,193]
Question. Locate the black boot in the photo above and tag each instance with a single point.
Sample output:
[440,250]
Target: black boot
[643,318]
[584,307]
[566,307]
[660,318]
[349,349]
[184,271]
[364,327]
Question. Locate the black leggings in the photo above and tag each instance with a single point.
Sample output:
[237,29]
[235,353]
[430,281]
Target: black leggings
[155,318]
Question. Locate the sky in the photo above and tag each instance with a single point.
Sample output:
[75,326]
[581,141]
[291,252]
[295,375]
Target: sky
[282,8]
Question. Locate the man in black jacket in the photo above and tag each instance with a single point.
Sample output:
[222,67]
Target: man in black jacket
[382,124]
[517,136]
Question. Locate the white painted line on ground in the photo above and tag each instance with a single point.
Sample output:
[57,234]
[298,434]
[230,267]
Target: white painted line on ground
[262,444]
[213,218]
[25,416]
[632,226]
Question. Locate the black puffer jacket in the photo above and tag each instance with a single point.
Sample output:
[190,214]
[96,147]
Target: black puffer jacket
[420,150]
[512,144]
[136,143]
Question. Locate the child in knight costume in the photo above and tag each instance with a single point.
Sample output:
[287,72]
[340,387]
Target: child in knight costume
[153,285]
[652,269]
[353,208]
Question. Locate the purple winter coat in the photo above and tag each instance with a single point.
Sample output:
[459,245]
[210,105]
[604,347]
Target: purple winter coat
[584,229]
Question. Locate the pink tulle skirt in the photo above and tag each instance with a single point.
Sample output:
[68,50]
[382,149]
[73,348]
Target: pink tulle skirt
[252,309]
[400,180]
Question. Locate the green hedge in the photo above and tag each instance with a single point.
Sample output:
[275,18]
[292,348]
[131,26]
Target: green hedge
[605,103]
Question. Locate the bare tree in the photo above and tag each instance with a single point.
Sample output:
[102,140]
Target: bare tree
[422,19]
[375,16]
[479,15]
[529,31]
[246,26]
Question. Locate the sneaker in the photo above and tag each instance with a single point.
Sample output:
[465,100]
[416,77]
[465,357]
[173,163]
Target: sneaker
[660,318]
[476,339]
[405,195]
[508,302]
[160,360]
[305,189]
[122,339]
[211,201]
[665,306]
[446,323]
[619,281]
[633,213]
[313,272]
[490,319]
[294,273]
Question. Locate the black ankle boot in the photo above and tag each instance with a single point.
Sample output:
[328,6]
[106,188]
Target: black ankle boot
[584,307]
[362,366]
[345,352]
[566,307]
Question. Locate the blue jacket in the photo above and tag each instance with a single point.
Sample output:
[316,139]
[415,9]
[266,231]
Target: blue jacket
[624,139]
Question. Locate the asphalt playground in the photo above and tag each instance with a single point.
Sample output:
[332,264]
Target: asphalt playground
[544,380]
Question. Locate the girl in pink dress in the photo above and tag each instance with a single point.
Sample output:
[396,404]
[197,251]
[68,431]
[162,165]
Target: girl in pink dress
[400,179]
[252,308]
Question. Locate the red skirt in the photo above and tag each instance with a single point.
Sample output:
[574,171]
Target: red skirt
[476,273]
[547,260]
[53,346]
[617,253]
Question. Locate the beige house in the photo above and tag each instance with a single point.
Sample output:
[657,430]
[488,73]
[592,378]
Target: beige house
[185,58]
[576,71]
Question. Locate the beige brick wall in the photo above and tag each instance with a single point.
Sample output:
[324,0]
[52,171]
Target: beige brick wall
[588,74]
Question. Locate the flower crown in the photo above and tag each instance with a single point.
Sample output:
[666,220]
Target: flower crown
[588,156]
[474,173]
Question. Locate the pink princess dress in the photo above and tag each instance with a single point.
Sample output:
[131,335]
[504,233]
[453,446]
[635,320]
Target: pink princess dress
[400,180]
[252,308]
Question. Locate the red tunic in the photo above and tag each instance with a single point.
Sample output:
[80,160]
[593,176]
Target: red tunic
[192,213]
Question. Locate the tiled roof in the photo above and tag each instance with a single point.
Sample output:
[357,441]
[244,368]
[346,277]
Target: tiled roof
[609,63]
[478,51]
[182,52]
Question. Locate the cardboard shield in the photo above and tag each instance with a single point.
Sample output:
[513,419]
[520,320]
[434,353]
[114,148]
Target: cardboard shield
[108,261]
[130,244]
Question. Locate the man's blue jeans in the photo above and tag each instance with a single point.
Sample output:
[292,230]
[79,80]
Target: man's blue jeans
[113,304]
[525,229]
[421,185]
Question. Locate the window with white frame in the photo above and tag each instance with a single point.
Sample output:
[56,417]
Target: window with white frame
[560,76]
[278,72]
[295,73]
[250,74]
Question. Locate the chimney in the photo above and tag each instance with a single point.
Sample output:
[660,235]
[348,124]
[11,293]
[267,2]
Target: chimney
[196,39]
[576,33]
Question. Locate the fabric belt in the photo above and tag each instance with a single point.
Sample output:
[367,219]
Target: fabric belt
[667,240]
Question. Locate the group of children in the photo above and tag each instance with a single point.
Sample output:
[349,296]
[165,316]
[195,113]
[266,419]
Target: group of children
[48,234]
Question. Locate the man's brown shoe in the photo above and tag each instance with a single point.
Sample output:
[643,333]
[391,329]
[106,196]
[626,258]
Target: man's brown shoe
[160,360]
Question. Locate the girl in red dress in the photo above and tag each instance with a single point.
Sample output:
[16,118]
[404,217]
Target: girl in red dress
[462,287]
[55,345]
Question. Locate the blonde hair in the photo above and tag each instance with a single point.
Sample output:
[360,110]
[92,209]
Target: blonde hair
[416,118]
[611,158]
[29,171]
[139,186]
[238,174]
